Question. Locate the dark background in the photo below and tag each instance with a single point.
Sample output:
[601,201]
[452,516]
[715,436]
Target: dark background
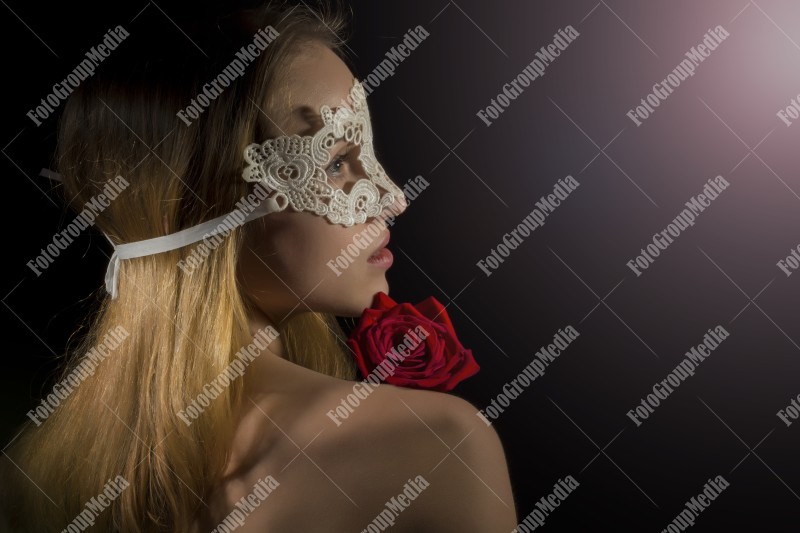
[484,181]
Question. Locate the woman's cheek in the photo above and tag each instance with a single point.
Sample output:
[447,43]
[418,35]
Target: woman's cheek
[320,248]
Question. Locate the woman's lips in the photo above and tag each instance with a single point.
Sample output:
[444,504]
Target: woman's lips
[382,257]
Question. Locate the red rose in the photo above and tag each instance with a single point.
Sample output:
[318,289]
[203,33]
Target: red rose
[410,346]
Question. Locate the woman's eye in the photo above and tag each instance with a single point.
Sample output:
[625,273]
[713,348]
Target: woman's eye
[336,166]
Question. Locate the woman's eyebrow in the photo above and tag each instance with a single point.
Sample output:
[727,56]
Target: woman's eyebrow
[341,143]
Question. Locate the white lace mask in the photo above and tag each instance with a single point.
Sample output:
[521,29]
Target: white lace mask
[296,168]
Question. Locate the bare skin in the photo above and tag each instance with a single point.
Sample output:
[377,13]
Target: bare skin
[339,478]
[333,477]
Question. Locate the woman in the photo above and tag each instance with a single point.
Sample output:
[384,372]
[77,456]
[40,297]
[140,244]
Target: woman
[259,452]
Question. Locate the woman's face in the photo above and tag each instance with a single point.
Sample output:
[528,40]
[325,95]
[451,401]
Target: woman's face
[291,260]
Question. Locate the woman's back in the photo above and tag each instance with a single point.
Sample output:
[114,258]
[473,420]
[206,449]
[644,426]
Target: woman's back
[421,459]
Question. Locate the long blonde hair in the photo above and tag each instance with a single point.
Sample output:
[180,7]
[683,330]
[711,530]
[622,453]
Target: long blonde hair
[183,330]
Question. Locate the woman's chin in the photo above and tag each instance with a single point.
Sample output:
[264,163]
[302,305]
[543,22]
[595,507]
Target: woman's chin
[368,297]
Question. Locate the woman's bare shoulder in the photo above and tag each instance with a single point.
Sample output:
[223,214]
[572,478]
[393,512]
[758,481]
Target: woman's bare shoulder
[397,440]
[349,451]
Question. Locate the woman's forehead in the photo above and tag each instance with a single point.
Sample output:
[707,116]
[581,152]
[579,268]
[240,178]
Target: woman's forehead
[316,77]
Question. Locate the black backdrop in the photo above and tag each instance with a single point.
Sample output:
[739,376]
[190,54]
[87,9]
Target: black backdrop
[484,180]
